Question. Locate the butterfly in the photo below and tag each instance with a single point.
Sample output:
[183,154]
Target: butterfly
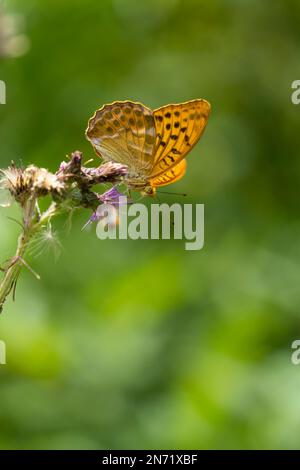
[152,144]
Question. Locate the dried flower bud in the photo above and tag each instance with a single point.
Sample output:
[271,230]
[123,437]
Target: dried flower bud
[72,168]
[42,181]
[13,180]
[86,177]
[108,172]
[31,181]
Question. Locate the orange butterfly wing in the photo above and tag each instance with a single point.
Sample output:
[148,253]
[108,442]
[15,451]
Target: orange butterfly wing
[170,176]
[124,132]
[178,129]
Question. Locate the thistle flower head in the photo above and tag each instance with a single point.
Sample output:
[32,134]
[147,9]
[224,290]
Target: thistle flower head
[42,181]
[12,179]
[107,172]
[70,188]
[31,181]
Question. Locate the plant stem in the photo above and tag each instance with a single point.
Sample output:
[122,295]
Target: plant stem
[31,227]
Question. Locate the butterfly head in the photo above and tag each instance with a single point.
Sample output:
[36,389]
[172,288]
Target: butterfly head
[148,191]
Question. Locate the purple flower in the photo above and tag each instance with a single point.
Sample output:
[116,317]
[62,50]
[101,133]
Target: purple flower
[111,196]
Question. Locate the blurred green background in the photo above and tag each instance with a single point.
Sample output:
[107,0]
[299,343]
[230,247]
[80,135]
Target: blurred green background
[141,344]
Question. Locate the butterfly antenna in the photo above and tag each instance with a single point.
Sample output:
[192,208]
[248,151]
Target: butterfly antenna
[173,194]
